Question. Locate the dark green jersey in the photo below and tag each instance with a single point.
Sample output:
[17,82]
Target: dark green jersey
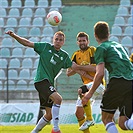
[115,58]
[50,62]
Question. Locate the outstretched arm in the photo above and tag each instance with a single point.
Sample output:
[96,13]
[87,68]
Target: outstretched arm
[21,40]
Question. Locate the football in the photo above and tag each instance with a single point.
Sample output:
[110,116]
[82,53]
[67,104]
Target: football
[54,18]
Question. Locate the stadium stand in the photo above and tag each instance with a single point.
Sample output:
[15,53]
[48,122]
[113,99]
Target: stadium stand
[27,12]
[43,3]
[16,4]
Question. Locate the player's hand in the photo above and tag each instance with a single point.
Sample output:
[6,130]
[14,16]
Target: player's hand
[74,66]
[86,97]
[11,33]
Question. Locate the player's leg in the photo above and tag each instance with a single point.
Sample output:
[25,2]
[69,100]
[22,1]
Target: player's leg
[57,99]
[80,114]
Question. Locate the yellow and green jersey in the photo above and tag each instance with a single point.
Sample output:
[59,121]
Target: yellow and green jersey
[85,58]
[51,61]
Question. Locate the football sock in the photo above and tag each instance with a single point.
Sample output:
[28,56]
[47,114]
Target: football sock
[41,123]
[111,128]
[129,124]
[55,116]
[80,123]
[88,111]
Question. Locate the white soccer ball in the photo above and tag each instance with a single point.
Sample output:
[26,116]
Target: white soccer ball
[54,18]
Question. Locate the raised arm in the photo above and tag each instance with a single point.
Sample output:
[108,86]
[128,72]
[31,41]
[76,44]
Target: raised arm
[21,40]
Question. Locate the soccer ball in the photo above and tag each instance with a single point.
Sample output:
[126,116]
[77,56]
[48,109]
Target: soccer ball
[54,18]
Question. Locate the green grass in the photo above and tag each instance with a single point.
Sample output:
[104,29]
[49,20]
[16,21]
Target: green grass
[67,128]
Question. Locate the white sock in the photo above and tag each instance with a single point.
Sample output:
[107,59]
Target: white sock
[111,128]
[41,123]
[55,116]
[129,124]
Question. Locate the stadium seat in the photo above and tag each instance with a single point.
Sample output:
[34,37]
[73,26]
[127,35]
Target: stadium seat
[40,12]
[14,12]
[17,52]
[4,3]
[22,31]
[36,63]
[31,85]
[122,11]
[27,63]
[29,3]
[11,85]
[48,31]
[3,63]
[1,85]
[46,39]
[130,21]
[128,31]
[24,74]
[13,74]
[114,38]
[3,12]
[14,63]
[56,3]
[33,74]
[17,44]
[16,3]
[53,9]
[120,21]
[24,22]
[11,22]
[116,30]
[5,52]
[27,12]
[125,3]
[42,3]
[2,23]
[2,74]
[35,31]
[127,41]
[7,42]
[38,22]
[34,39]
[29,52]
[21,85]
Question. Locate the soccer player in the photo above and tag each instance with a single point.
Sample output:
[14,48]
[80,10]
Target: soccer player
[118,94]
[84,57]
[52,59]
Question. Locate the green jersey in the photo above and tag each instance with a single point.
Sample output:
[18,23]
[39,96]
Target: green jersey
[51,61]
[116,60]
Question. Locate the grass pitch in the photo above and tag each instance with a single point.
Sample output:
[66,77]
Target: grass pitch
[67,128]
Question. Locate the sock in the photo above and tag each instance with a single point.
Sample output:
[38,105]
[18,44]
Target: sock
[111,128]
[41,123]
[88,111]
[129,124]
[55,116]
[81,122]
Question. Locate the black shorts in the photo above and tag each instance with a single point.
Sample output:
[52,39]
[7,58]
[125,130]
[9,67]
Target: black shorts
[118,95]
[45,89]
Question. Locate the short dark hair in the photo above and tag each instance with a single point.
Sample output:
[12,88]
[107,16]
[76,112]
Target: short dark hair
[83,34]
[101,30]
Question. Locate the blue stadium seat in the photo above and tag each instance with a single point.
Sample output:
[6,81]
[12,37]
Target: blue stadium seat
[13,74]
[127,41]
[11,22]
[3,12]
[4,3]
[2,23]
[122,11]
[16,3]
[130,21]
[7,42]
[5,52]
[21,85]
[56,3]
[34,39]
[36,63]
[38,22]
[125,3]
[120,21]
[31,85]
[2,74]
[35,31]
[25,22]
[27,12]
[33,74]
[114,38]
[11,85]
[29,52]
[3,63]
[128,31]
[27,63]
[42,3]
[48,31]
[29,3]
[14,12]
[40,12]
[17,52]
[14,63]
[46,39]
[24,74]
[22,31]
[116,30]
